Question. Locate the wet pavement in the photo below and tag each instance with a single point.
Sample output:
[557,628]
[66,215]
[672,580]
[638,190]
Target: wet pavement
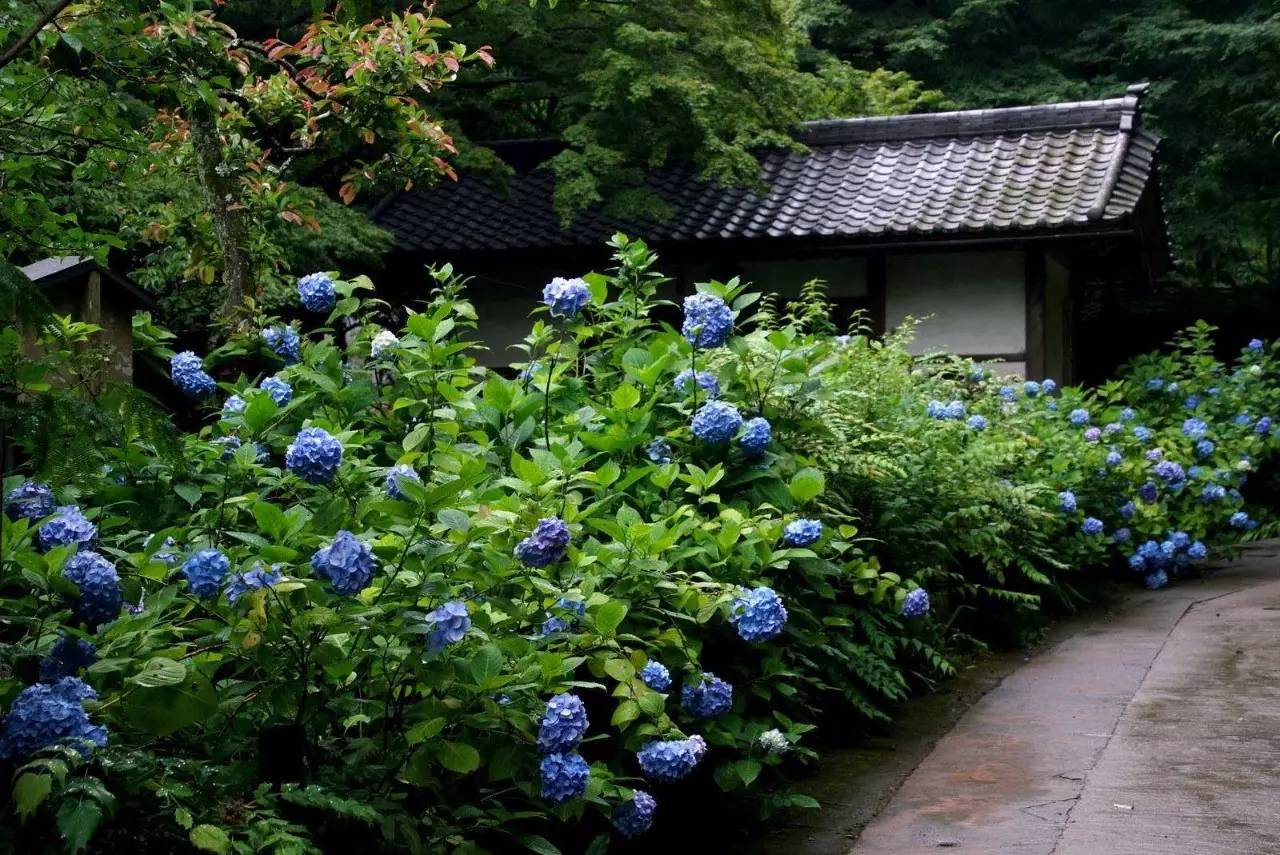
[1156,730]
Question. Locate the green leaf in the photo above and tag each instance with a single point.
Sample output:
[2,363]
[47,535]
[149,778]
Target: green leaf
[270,518]
[748,770]
[619,669]
[189,492]
[161,711]
[487,664]
[260,410]
[210,838]
[609,616]
[541,845]
[29,791]
[625,397]
[806,484]
[627,712]
[77,821]
[454,519]
[424,730]
[158,672]
[458,757]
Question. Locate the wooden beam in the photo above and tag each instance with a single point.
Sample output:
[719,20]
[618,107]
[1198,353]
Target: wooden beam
[877,285]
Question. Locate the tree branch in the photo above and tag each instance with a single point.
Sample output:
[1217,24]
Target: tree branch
[25,39]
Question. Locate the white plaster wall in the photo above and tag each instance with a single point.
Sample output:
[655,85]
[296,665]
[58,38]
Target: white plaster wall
[977,300]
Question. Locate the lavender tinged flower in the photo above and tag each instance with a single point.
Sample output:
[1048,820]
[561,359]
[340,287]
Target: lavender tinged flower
[256,579]
[1142,433]
[205,571]
[977,423]
[566,297]
[916,603]
[1127,510]
[802,532]
[670,760]
[1128,414]
[66,528]
[100,597]
[564,777]
[546,545]
[397,475]
[1198,551]
[449,624]
[708,321]
[280,391]
[1114,458]
[656,676]
[716,422]
[1092,526]
[633,818]
[551,626]
[1255,344]
[44,715]
[1170,472]
[756,436]
[707,697]
[233,406]
[1048,385]
[1240,520]
[1155,581]
[67,658]
[31,500]
[314,455]
[1204,448]
[316,292]
[1263,426]
[705,380]
[1078,416]
[759,615]
[1007,393]
[346,562]
[1112,428]
[564,724]
[1194,428]
[1122,535]
[187,371]
[284,341]
[1148,492]
[1067,501]
[659,451]
[1093,434]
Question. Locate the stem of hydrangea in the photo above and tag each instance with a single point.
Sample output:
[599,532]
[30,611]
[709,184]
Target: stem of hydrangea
[546,400]
[693,369]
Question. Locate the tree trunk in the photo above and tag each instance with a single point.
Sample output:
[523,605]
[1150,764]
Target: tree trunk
[222,197]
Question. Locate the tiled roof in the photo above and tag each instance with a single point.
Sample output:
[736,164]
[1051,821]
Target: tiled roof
[976,173]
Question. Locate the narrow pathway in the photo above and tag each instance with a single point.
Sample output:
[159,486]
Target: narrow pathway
[1157,731]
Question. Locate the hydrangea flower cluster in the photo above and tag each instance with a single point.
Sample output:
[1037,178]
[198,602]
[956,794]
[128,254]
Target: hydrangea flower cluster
[205,572]
[716,422]
[1031,388]
[1092,526]
[382,342]
[566,297]
[708,321]
[758,615]
[49,714]
[1240,519]
[707,697]
[756,435]
[1067,501]
[68,527]
[938,410]
[564,777]
[1078,417]
[1263,426]
[1122,535]
[1142,433]
[659,451]
[31,500]
[916,603]
[285,342]
[656,676]
[546,545]
[1114,458]
[1093,434]
[672,759]
[187,371]
[1127,510]
[233,406]
[1149,492]
[563,725]
[774,741]
[1128,414]
[802,532]
[67,658]
[977,423]
[316,292]
[633,817]
[1171,473]
[256,579]
[314,455]
[396,475]
[1049,385]
[705,380]
[280,391]
[449,624]
[1205,448]
[100,598]
[1195,429]
[347,563]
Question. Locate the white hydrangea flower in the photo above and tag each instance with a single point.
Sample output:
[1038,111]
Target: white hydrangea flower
[381,341]
[774,742]
[1255,370]
[1244,466]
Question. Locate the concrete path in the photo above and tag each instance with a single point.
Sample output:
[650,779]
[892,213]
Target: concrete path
[1156,733]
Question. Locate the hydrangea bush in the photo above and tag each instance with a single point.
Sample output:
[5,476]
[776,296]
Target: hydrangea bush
[416,605]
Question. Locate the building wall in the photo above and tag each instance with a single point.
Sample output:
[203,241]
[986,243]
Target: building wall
[1057,322]
[969,303]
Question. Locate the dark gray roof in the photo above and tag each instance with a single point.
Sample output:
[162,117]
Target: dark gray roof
[1056,167]
[61,269]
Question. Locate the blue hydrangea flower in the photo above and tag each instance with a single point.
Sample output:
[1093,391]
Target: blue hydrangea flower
[1148,492]
[396,475]
[257,579]
[31,500]
[916,603]
[1092,526]
[67,658]
[1031,388]
[233,406]
[1204,448]
[1067,501]
[316,292]
[229,445]
[576,607]
[1007,393]
[1255,344]
[449,623]
[843,340]
[633,817]
[1048,385]
[802,532]
[552,626]
[656,676]
[938,410]
[187,371]
[1078,416]
[1155,384]
[707,697]
[1263,426]
[563,725]
[1213,493]
[671,760]
[1122,535]
[757,433]
[205,572]
[1194,428]
[346,562]
[314,455]
[1173,388]
[1112,428]
[759,615]
[955,410]
[708,321]
[1093,434]
[49,714]
[659,451]
[526,373]
[1114,458]
[1198,551]
[1170,472]
[716,422]
[1127,510]
[977,423]
[1155,581]
[566,297]
[280,391]
[1128,414]
[68,527]
[706,381]
[1240,519]
[1142,433]
[1155,454]
[564,777]
[284,340]
[1137,562]
[1243,420]
[547,545]
[100,597]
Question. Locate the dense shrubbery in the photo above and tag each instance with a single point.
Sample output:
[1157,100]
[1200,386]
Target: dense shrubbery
[387,598]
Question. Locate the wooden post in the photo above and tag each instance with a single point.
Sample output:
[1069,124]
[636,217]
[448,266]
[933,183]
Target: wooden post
[1035,288]
[877,285]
